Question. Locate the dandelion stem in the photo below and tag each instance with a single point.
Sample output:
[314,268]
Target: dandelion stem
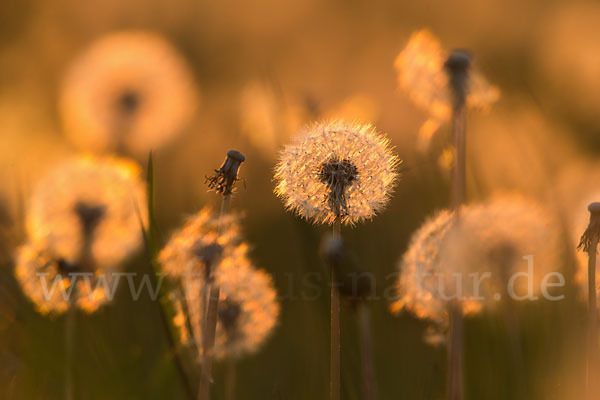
[231,378]
[459,171]
[334,366]
[211,317]
[366,352]
[457,67]
[69,348]
[592,352]
[455,349]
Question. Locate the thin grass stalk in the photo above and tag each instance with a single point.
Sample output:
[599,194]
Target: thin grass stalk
[334,359]
[366,352]
[208,342]
[150,238]
[592,352]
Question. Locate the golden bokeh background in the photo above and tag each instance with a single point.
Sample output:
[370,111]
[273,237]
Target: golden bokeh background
[261,70]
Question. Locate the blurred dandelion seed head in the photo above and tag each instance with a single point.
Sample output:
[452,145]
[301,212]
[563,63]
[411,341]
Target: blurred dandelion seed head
[88,201]
[129,90]
[490,237]
[422,68]
[197,243]
[336,170]
[31,262]
[248,309]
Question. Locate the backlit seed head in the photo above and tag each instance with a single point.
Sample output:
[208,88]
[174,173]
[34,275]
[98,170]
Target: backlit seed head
[197,247]
[493,238]
[129,90]
[46,281]
[437,80]
[88,210]
[337,170]
[248,309]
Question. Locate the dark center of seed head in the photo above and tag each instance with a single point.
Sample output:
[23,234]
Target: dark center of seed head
[90,216]
[129,102]
[229,312]
[503,255]
[338,175]
[209,255]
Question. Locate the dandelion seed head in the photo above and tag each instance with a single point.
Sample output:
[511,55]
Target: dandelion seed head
[34,265]
[423,68]
[248,309]
[88,201]
[490,237]
[337,170]
[198,242]
[130,90]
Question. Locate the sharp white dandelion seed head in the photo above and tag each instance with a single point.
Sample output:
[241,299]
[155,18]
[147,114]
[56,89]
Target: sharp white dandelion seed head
[130,90]
[90,208]
[490,237]
[337,169]
[248,308]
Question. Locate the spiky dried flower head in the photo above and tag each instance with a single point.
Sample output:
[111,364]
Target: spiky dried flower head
[337,170]
[248,309]
[129,90]
[224,178]
[493,238]
[436,80]
[88,210]
[589,239]
[48,281]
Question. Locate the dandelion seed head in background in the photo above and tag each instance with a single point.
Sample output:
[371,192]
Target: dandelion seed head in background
[248,309]
[100,197]
[490,237]
[190,247]
[336,170]
[417,285]
[129,90]
[420,68]
[35,266]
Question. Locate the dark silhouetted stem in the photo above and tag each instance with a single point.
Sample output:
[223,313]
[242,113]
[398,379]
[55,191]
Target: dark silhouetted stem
[334,366]
[592,353]
[459,170]
[230,380]
[366,352]
[69,347]
[455,353]
[208,342]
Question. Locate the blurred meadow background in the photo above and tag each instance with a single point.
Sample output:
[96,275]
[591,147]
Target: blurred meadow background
[259,71]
